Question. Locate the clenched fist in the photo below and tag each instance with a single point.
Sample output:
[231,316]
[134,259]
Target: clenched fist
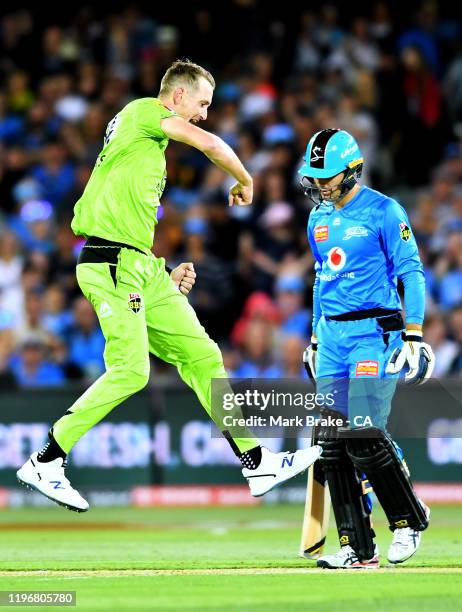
[184,277]
[241,194]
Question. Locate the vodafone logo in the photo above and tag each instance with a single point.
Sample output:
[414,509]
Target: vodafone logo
[336,259]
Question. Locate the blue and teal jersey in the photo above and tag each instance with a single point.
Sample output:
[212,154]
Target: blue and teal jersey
[360,253]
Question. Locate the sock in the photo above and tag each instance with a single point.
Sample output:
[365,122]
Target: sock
[50,451]
[250,459]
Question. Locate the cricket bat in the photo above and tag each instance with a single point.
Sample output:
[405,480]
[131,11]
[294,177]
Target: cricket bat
[317,511]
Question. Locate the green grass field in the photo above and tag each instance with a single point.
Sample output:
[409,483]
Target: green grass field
[216,559]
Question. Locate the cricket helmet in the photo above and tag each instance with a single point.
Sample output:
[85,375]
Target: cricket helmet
[328,153]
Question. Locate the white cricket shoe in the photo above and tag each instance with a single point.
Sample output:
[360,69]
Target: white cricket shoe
[346,558]
[49,480]
[405,542]
[276,468]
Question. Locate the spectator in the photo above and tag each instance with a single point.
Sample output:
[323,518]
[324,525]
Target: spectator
[424,219]
[11,125]
[290,357]
[258,307]
[20,96]
[31,368]
[448,270]
[33,226]
[64,259]
[7,378]
[213,290]
[436,334]
[231,358]
[257,349]
[453,87]
[362,126]
[13,170]
[295,319]
[57,319]
[275,245]
[86,340]
[423,101]
[10,276]
[55,174]
[32,322]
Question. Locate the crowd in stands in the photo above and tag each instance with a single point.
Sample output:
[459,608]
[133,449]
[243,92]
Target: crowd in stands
[394,81]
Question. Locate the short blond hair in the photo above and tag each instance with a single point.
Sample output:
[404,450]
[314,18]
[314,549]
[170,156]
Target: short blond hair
[183,72]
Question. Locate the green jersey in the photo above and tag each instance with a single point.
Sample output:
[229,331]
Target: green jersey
[122,195]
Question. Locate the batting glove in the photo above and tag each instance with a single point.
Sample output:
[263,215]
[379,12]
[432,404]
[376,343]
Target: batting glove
[417,354]
[309,358]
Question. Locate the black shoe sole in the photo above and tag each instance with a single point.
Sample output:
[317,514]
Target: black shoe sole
[325,565]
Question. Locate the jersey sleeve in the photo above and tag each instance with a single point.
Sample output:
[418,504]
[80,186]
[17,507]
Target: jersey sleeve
[317,312]
[149,114]
[312,242]
[398,240]
[402,252]
[414,296]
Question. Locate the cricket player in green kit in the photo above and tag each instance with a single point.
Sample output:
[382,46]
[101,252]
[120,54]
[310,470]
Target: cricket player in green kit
[142,308]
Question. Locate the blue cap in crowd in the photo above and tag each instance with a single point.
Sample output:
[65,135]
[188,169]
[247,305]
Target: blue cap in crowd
[195,225]
[290,282]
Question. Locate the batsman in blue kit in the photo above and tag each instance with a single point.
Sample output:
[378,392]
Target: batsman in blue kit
[363,244]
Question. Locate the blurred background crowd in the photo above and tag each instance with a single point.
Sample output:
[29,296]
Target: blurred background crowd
[391,78]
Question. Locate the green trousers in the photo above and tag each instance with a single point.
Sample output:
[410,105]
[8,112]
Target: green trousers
[140,311]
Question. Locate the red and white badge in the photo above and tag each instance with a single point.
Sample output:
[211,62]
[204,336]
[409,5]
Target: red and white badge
[367,368]
[321,233]
[336,259]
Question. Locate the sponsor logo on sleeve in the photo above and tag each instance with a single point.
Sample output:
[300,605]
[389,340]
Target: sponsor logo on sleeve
[321,233]
[404,231]
[367,368]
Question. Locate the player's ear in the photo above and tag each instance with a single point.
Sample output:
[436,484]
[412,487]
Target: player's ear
[178,95]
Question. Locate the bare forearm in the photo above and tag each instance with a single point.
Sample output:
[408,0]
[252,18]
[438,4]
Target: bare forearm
[211,145]
[224,157]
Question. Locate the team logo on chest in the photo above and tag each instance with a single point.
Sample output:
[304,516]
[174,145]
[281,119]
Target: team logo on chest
[134,302]
[358,231]
[336,259]
[321,233]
